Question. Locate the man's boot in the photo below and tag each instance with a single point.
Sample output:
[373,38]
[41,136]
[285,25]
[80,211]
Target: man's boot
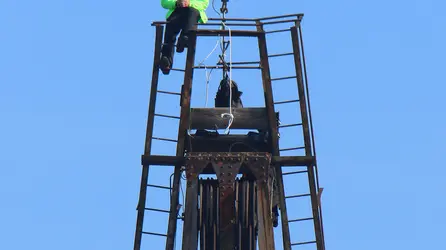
[182,43]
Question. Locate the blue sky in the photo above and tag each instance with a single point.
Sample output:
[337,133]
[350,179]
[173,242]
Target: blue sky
[74,88]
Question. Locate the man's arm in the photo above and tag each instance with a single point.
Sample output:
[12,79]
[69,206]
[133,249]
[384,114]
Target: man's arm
[199,4]
[169,4]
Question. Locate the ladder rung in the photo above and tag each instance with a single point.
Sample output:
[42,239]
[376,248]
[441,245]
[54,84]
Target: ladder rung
[289,149]
[276,31]
[296,172]
[232,67]
[282,78]
[157,186]
[241,63]
[164,139]
[303,243]
[168,92]
[297,196]
[290,125]
[181,70]
[157,210]
[304,219]
[157,234]
[282,54]
[288,101]
[168,116]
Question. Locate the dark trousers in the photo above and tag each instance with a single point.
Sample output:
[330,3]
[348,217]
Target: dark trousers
[182,19]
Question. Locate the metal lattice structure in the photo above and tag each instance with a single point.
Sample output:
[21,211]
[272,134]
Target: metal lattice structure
[229,212]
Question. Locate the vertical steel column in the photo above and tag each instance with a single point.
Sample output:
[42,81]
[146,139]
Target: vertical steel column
[148,141]
[226,171]
[269,102]
[190,229]
[307,137]
[182,133]
[266,233]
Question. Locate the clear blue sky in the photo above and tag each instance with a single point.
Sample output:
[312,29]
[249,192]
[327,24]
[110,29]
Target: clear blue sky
[74,88]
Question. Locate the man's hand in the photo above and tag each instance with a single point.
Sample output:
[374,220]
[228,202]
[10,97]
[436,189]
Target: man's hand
[183,3]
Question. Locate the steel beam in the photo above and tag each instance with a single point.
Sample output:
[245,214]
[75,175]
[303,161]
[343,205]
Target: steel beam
[269,101]
[182,133]
[307,137]
[284,161]
[148,140]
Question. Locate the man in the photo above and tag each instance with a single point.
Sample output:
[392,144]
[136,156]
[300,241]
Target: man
[182,16]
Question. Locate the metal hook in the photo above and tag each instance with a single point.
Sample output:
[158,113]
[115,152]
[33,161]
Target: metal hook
[224,7]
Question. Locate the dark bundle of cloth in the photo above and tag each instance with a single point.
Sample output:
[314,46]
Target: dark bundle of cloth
[223,95]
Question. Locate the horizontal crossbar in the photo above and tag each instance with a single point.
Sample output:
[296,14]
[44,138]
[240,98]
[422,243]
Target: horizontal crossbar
[168,116]
[297,196]
[297,220]
[157,210]
[158,186]
[277,31]
[242,33]
[284,161]
[168,92]
[295,172]
[157,234]
[303,243]
[221,67]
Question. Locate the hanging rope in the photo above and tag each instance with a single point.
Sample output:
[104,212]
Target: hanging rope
[208,76]
[228,115]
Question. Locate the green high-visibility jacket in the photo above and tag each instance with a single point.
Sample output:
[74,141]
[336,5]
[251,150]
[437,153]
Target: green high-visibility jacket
[200,5]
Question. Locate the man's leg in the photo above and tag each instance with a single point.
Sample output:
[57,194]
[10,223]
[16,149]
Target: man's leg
[170,36]
[190,18]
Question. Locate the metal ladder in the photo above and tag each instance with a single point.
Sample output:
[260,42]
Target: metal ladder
[308,140]
[150,137]
[305,123]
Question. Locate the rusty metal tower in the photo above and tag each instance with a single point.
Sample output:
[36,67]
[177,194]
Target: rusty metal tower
[233,210]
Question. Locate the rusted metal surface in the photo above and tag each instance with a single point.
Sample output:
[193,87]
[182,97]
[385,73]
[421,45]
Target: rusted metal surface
[299,15]
[260,167]
[226,173]
[148,140]
[244,118]
[311,129]
[164,160]
[244,33]
[224,226]
[226,167]
[209,211]
[307,138]
[221,67]
[190,227]
[269,101]
[182,133]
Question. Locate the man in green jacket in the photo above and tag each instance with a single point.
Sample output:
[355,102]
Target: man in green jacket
[182,16]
